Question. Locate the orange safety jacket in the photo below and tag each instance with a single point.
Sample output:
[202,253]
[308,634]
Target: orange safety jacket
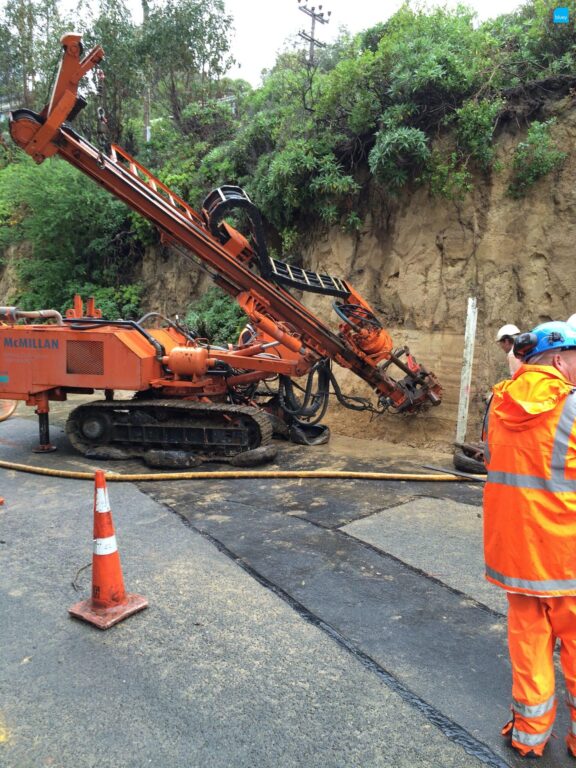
[530,493]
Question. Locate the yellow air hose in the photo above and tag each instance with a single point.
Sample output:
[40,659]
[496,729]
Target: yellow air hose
[321,474]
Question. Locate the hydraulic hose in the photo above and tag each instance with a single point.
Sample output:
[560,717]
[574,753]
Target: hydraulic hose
[312,405]
[321,474]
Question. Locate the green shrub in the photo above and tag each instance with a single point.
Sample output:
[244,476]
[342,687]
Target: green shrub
[218,167]
[216,317]
[78,232]
[530,45]
[475,121]
[144,230]
[121,303]
[446,176]
[352,223]
[434,58]
[290,238]
[396,154]
[534,157]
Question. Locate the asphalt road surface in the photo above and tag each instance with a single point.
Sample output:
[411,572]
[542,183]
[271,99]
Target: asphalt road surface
[291,622]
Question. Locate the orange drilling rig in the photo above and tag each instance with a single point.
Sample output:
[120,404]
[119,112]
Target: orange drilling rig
[192,398]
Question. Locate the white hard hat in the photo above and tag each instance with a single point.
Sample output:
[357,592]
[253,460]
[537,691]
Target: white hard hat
[507,330]
[572,320]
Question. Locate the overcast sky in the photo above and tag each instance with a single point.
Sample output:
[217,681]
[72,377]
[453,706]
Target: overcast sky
[263,26]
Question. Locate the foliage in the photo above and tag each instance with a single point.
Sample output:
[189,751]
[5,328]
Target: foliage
[395,153]
[300,180]
[352,97]
[475,122]
[290,238]
[81,236]
[29,50]
[434,59]
[447,176]
[113,29]
[534,158]
[212,121]
[143,230]
[217,317]
[185,44]
[415,99]
[530,46]
[122,302]
[352,222]
[235,158]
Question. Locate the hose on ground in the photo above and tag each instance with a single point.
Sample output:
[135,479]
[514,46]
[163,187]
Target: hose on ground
[322,474]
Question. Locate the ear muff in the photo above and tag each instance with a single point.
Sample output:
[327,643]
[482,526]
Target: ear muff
[554,335]
[524,344]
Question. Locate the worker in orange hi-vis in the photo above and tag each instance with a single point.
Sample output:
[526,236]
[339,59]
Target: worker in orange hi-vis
[530,526]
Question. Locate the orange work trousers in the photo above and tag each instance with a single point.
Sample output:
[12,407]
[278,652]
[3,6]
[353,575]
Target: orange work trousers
[534,625]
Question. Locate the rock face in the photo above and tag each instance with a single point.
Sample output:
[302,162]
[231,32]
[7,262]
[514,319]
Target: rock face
[418,263]
[170,281]
[8,273]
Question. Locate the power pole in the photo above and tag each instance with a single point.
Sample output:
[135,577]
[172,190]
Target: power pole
[146,115]
[315,16]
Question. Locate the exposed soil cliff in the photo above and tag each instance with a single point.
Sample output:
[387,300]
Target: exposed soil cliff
[419,261]
[170,281]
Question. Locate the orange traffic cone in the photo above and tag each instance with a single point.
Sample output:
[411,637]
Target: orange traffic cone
[110,603]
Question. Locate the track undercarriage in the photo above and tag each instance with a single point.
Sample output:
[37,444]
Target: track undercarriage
[171,433]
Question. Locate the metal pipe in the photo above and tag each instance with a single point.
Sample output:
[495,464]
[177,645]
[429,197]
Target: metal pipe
[12,314]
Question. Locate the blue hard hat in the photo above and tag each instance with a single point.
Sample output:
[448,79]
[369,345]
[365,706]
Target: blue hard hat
[554,335]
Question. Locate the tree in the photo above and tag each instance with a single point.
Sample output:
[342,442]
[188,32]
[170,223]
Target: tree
[187,45]
[29,51]
[113,29]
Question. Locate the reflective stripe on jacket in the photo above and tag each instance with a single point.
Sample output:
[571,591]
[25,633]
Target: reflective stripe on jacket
[530,493]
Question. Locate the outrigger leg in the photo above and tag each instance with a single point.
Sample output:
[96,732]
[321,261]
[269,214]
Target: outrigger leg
[42,410]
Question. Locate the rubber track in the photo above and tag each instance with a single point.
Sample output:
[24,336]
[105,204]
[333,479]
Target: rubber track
[261,420]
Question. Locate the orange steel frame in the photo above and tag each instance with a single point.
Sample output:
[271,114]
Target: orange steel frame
[278,316]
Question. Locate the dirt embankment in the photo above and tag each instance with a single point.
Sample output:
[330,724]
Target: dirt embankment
[418,261]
